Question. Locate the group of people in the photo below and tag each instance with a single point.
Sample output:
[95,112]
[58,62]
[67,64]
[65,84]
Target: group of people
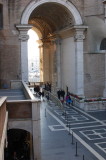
[47,86]
[39,91]
[61,94]
[63,98]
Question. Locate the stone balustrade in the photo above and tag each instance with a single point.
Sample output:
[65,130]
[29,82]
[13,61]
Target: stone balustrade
[3,126]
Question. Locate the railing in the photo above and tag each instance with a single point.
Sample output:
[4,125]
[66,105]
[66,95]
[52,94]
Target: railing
[54,99]
[28,109]
[2,114]
[3,125]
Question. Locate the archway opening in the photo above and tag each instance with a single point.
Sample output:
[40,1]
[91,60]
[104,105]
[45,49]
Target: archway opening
[18,144]
[33,57]
[50,18]
[57,21]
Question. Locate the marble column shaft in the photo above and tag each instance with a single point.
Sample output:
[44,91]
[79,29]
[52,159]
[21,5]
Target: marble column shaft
[79,62]
[23,37]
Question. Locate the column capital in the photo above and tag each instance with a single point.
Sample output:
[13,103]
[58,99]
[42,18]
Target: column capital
[79,36]
[23,29]
[79,33]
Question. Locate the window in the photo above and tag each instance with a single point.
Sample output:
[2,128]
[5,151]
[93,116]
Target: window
[1,16]
[103,44]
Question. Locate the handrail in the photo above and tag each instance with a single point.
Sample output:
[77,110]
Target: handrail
[2,100]
[54,99]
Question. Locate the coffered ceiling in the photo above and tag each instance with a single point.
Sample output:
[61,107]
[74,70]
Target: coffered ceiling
[50,17]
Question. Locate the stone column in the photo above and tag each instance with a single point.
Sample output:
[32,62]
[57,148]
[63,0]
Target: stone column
[58,61]
[41,60]
[23,36]
[54,65]
[79,62]
[104,92]
[47,62]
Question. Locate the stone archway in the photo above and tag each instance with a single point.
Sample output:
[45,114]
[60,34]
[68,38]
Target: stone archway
[19,144]
[79,37]
[33,5]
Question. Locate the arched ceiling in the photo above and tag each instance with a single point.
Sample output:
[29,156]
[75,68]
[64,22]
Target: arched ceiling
[50,17]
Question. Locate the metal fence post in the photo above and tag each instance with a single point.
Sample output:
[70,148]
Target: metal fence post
[45,113]
[72,142]
[76,150]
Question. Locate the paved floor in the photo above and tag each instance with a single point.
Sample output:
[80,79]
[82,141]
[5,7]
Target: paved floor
[57,128]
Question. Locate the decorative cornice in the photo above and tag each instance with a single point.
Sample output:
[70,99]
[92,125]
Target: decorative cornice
[23,29]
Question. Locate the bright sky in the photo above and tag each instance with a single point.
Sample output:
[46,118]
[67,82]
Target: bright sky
[33,50]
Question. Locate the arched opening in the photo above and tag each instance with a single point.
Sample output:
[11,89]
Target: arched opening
[103,44]
[18,144]
[33,57]
[69,6]
[50,18]
[60,25]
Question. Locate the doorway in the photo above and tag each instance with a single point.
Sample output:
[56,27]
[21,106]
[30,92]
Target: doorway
[18,144]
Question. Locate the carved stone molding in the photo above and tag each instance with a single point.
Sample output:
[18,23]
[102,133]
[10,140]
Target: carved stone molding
[79,36]
[23,30]
[23,37]
[79,33]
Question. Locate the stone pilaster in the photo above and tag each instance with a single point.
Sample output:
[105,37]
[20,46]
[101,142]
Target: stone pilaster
[58,61]
[41,60]
[54,65]
[79,62]
[23,37]
[47,62]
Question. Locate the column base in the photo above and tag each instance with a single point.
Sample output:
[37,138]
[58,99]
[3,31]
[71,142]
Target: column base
[80,93]
[104,93]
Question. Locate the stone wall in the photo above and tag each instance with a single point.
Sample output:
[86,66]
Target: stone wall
[68,64]
[10,68]
[94,73]
[19,110]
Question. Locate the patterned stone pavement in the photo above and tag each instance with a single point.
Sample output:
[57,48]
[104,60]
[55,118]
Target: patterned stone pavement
[88,128]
